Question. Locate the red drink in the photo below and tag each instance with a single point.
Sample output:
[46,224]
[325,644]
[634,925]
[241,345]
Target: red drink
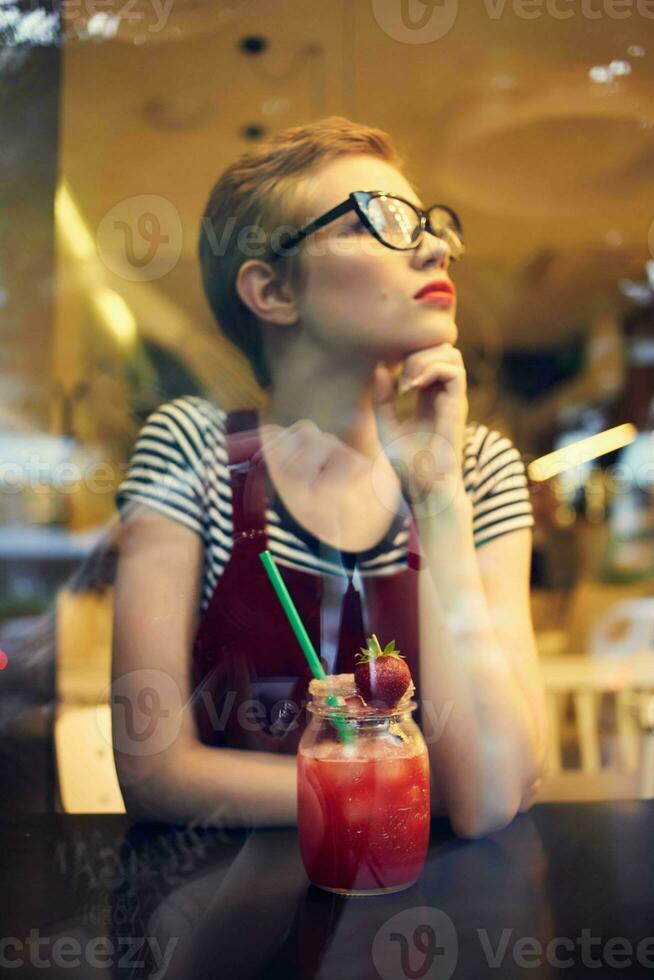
[363,803]
[363,823]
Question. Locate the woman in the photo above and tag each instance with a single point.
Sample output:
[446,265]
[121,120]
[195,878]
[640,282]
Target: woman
[432,512]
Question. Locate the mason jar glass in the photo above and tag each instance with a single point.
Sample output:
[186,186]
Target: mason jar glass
[363,792]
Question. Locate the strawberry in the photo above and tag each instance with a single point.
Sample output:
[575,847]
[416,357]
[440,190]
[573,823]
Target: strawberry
[381,675]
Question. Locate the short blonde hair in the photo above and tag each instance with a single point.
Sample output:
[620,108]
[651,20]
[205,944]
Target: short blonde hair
[260,191]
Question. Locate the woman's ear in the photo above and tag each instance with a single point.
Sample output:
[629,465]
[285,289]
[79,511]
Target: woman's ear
[264,292]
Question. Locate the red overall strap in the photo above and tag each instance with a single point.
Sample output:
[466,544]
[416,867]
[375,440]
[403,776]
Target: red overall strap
[246,652]
[246,470]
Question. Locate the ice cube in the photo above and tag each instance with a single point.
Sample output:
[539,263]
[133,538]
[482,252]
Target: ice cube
[356,810]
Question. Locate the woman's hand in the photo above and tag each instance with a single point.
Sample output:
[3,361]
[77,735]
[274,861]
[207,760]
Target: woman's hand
[422,427]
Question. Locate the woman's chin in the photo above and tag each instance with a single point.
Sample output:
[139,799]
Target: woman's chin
[442,330]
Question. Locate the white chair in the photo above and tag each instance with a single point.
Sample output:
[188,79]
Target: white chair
[626,627]
[85,764]
[86,771]
[588,605]
[626,768]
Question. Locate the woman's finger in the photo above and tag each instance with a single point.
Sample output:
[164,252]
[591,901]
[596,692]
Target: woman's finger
[439,372]
[421,360]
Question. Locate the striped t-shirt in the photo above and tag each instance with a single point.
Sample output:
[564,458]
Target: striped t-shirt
[179,467]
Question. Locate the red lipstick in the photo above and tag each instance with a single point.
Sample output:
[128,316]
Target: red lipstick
[438,291]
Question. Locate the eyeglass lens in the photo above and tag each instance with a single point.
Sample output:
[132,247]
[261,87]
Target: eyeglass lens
[399,223]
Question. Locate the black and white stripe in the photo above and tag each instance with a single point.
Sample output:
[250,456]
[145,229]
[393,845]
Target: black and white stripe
[180,468]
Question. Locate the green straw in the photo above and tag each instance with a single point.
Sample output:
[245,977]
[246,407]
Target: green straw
[303,639]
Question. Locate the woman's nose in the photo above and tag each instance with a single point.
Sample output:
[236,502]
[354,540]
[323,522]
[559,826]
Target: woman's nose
[432,251]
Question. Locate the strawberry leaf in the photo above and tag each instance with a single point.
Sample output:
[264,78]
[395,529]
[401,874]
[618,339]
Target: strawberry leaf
[373,651]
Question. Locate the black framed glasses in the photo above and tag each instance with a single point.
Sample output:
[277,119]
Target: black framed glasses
[394,221]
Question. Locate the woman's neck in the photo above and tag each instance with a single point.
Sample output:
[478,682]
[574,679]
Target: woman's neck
[337,398]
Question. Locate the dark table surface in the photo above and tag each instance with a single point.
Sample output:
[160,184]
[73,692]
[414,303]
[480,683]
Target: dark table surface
[566,890]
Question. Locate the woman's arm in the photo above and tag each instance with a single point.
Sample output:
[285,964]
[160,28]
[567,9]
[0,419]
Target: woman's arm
[478,676]
[164,771]
[479,670]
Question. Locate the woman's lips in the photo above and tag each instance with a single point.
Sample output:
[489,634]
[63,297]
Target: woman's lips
[442,293]
[439,298]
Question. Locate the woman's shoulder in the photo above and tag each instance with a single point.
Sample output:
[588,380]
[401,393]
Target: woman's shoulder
[192,411]
[495,477]
[190,423]
[483,443]
[168,467]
